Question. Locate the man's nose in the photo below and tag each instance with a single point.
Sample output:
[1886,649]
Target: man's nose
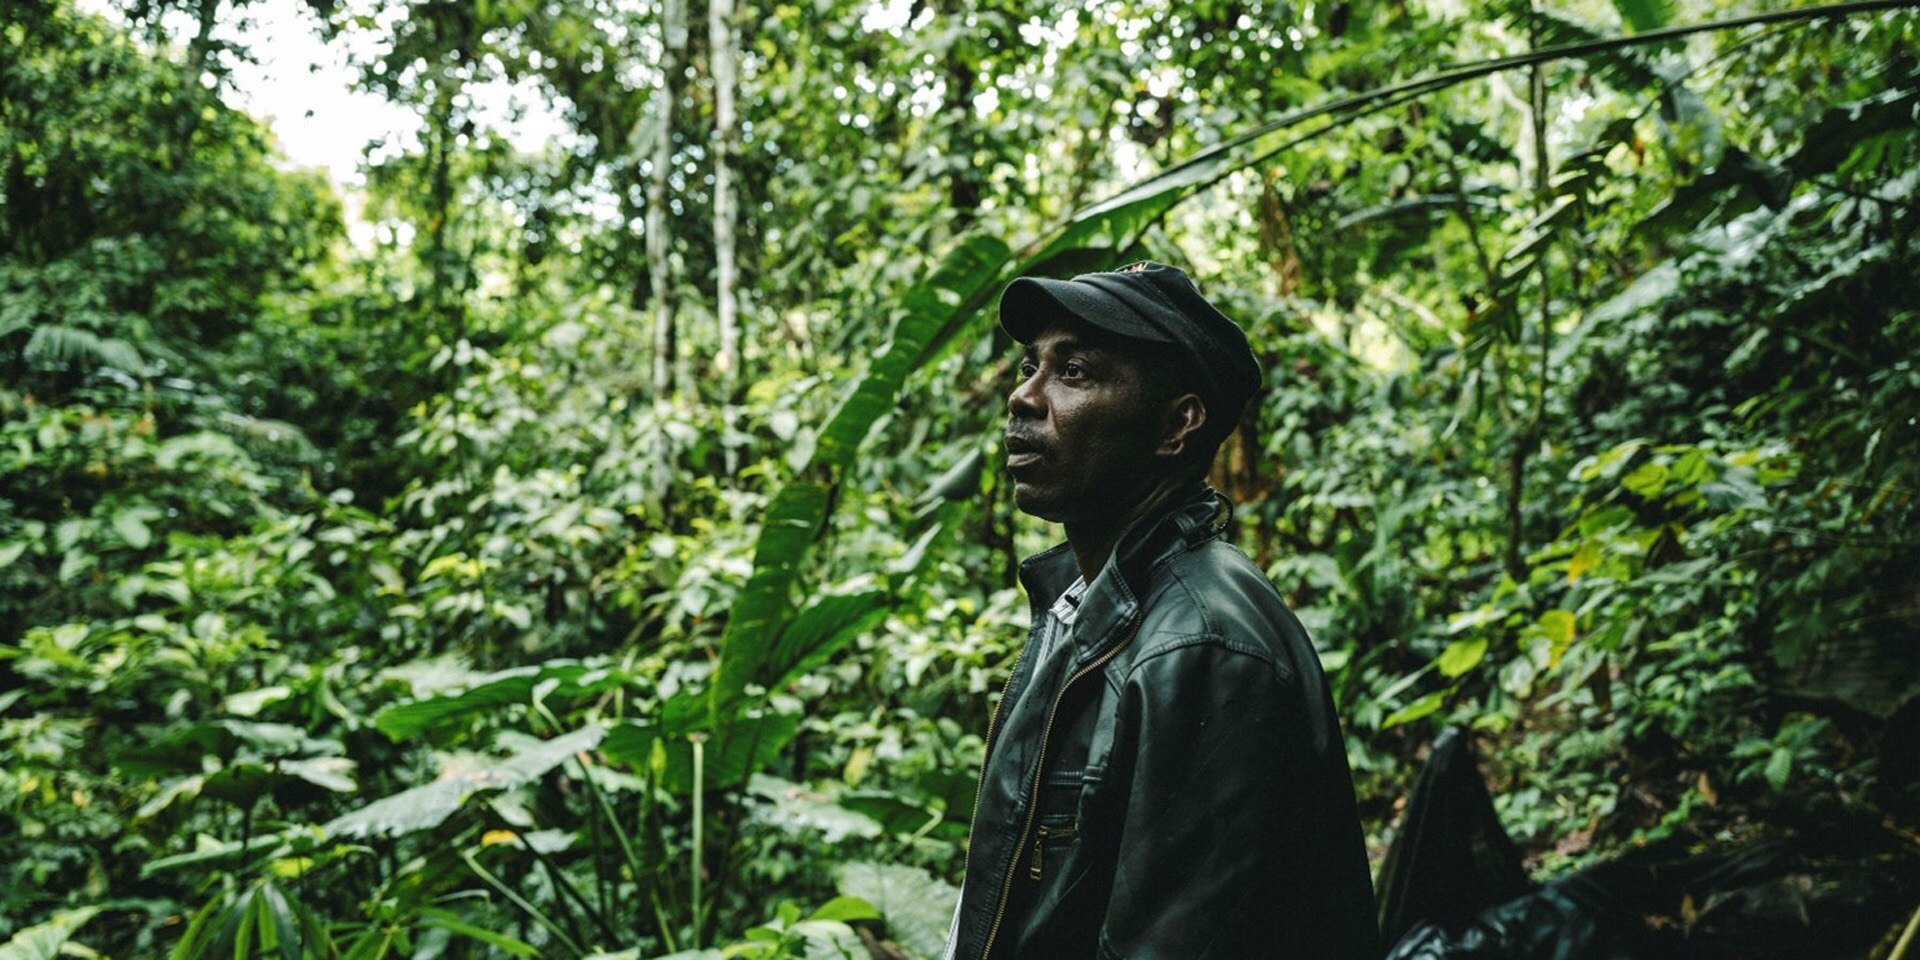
[1026,400]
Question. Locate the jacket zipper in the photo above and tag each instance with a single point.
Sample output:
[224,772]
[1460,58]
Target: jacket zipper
[1039,769]
[1040,844]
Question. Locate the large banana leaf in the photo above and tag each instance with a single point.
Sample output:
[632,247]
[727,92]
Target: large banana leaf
[964,282]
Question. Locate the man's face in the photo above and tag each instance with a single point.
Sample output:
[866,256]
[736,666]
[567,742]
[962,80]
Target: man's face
[1081,429]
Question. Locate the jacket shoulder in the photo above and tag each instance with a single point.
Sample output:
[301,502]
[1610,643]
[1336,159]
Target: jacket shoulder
[1212,594]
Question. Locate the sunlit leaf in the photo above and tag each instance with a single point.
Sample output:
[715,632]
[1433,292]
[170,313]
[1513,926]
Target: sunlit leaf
[1585,558]
[43,941]
[915,905]
[1423,707]
[1558,627]
[1461,656]
[845,910]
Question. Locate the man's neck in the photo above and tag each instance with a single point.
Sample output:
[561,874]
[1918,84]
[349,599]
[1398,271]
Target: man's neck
[1092,540]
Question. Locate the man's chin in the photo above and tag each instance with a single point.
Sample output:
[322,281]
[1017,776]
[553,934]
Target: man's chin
[1035,503]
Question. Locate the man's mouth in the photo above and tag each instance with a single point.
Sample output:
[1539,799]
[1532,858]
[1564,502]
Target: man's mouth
[1021,451]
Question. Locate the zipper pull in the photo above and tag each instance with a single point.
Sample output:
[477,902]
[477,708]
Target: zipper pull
[1039,845]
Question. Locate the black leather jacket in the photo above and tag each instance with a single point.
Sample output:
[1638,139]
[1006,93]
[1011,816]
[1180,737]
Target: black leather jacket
[1172,784]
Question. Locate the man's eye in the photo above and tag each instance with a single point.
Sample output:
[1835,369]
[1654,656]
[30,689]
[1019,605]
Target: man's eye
[1027,369]
[1072,368]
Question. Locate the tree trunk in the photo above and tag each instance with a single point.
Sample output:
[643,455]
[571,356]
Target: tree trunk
[962,78]
[726,137]
[673,35]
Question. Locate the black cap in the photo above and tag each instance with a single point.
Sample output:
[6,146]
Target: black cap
[1146,301]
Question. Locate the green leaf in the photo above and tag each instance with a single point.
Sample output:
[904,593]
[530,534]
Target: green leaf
[845,910]
[435,917]
[429,805]
[1461,656]
[795,516]
[915,905]
[131,525]
[186,749]
[934,311]
[1423,707]
[53,346]
[757,739]
[1558,627]
[222,852]
[327,773]
[1779,767]
[43,941]
[821,630]
[1848,128]
[795,809]
[1643,15]
[1585,558]
[514,687]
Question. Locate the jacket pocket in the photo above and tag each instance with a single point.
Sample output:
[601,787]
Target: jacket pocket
[1057,821]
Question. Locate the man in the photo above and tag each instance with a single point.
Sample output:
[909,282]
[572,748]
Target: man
[1165,776]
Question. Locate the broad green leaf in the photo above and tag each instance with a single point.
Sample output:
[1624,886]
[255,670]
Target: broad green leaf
[327,773]
[53,346]
[845,910]
[43,941]
[430,804]
[1779,768]
[251,702]
[756,740]
[966,279]
[1461,656]
[1643,15]
[1648,479]
[795,809]
[513,687]
[915,905]
[894,814]
[793,519]
[823,629]
[187,748]
[131,525]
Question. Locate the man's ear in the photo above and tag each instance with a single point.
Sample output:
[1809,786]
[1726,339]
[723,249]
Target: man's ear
[1185,416]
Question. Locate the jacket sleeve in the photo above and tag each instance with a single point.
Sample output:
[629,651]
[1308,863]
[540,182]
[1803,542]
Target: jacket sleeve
[1217,856]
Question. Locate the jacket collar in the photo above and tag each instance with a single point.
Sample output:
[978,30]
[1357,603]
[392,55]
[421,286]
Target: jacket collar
[1188,519]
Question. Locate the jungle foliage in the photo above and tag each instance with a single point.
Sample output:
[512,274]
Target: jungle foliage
[378,598]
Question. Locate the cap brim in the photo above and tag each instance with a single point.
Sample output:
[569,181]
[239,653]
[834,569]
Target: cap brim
[1029,303]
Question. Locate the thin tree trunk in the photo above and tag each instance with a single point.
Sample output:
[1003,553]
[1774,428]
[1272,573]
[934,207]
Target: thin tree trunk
[1528,439]
[726,136]
[673,35]
[963,181]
